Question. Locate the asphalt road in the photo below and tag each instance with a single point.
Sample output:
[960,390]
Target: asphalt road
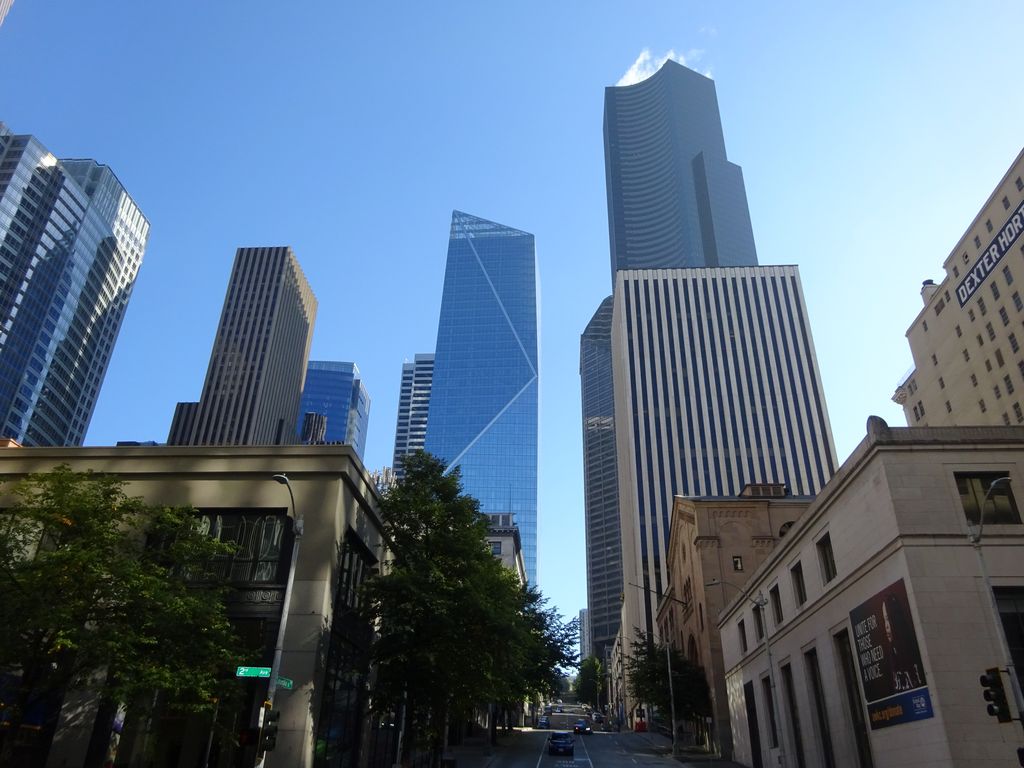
[528,749]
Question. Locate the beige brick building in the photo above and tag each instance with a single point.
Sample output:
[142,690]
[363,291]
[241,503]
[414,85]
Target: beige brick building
[870,620]
[968,340]
[718,542]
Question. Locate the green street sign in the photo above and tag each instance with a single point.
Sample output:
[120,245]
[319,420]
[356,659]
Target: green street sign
[285,682]
[252,672]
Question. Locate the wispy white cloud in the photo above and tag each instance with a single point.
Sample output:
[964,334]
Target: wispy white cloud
[646,65]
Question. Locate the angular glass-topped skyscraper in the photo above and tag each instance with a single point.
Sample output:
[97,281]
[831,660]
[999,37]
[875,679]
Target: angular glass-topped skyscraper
[483,403]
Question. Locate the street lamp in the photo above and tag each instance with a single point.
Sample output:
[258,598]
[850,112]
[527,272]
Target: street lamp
[761,602]
[1000,483]
[275,667]
[668,661]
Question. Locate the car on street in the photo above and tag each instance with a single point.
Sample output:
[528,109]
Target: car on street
[561,743]
[582,726]
[544,722]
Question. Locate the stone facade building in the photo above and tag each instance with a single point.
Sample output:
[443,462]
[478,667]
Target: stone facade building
[860,640]
[233,489]
[715,544]
[967,340]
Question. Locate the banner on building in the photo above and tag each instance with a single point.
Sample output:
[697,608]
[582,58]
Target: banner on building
[889,658]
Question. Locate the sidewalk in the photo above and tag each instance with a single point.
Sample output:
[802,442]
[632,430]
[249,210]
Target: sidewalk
[474,751]
[690,757]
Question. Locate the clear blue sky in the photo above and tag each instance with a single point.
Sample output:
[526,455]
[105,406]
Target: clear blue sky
[869,135]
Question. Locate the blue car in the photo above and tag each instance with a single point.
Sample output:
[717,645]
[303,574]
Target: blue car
[561,743]
[544,722]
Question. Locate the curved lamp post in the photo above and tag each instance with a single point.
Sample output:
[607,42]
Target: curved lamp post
[275,667]
[761,602]
[974,536]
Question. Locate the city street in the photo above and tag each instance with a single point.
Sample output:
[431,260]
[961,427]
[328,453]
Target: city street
[528,749]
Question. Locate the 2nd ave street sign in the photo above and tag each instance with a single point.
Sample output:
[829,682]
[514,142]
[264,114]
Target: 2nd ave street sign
[252,672]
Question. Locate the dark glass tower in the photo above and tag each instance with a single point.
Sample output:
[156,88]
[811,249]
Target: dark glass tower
[335,390]
[71,242]
[674,200]
[600,481]
[483,403]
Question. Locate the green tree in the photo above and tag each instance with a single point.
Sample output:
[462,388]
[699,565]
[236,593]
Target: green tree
[104,591]
[455,628]
[590,682]
[647,674]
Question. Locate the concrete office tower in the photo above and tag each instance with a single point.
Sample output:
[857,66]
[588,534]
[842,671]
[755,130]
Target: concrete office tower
[716,386]
[71,242]
[5,6]
[483,403]
[586,643]
[335,391]
[413,407]
[254,380]
[967,340]
[674,200]
[600,482]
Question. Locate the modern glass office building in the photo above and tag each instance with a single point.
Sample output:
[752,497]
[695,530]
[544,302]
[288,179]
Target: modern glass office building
[711,360]
[600,481]
[674,199]
[71,242]
[335,390]
[483,403]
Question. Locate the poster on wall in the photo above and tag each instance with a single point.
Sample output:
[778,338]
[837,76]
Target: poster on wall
[889,658]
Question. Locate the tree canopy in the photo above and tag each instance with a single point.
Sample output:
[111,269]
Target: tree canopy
[647,673]
[101,589]
[456,629]
[590,682]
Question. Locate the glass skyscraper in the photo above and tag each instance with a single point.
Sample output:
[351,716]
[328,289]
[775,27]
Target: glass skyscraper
[600,481]
[483,403]
[709,356]
[335,390]
[71,242]
[674,200]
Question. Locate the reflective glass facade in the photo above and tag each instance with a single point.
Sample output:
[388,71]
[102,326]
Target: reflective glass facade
[483,404]
[674,199]
[335,390]
[600,481]
[71,242]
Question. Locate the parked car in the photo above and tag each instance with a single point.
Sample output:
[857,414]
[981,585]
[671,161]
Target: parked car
[598,717]
[561,743]
[544,721]
[582,726]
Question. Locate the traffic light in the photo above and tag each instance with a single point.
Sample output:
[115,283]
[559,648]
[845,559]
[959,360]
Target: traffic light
[268,735]
[995,695]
